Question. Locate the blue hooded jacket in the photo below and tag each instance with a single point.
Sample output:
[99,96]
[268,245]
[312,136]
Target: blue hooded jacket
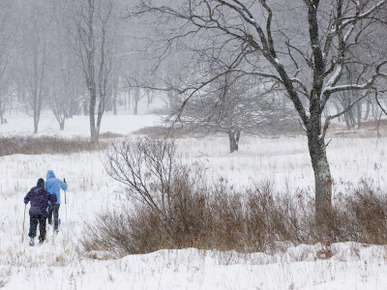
[54,185]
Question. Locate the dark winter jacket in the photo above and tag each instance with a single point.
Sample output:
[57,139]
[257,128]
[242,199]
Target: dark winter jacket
[54,185]
[39,198]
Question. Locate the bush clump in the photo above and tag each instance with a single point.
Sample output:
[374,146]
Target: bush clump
[173,207]
[45,145]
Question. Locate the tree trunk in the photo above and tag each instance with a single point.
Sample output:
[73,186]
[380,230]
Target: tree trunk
[359,115]
[61,125]
[367,112]
[101,110]
[233,136]
[136,99]
[128,100]
[93,132]
[135,111]
[114,101]
[323,178]
[36,122]
[149,98]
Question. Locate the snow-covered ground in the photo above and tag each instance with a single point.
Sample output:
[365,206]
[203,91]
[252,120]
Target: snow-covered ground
[57,264]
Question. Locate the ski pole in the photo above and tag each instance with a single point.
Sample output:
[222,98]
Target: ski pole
[66,204]
[64,180]
[24,219]
[65,192]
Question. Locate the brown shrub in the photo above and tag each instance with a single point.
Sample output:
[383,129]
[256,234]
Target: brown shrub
[172,207]
[45,145]
[364,216]
[257,220]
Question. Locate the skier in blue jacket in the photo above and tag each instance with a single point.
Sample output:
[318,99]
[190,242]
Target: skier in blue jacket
[39,199]
[53,186]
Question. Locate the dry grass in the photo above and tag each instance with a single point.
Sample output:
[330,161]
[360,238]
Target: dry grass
[370,129]
[46,145]
[172,208]
[110,135]
[362,216]
[3,283]
[249,222]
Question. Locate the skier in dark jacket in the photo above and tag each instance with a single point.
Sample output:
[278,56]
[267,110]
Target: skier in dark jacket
[53,186]
[39,198]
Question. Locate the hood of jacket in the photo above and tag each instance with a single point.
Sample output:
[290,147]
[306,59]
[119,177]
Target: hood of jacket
[50,174]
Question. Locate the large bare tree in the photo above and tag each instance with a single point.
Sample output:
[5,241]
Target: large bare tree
[232,106]
[5,45]
[66,85]
[34,56]
[94,21]
[304,45]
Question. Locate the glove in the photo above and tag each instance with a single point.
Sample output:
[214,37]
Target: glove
[64,180]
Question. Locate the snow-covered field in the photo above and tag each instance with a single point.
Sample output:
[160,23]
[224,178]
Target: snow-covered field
[57,264]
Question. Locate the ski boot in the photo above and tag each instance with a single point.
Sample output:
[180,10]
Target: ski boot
[32,242]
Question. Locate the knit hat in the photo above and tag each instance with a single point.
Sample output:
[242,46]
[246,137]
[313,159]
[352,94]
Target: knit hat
[40,182]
